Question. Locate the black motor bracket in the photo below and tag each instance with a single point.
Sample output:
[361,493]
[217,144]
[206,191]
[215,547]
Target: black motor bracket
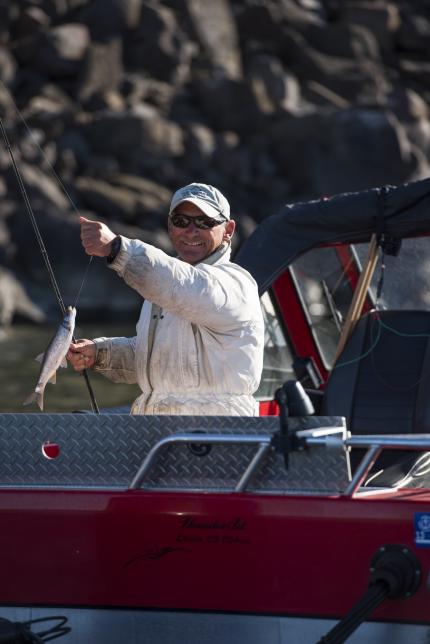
[292,401]
[307,372]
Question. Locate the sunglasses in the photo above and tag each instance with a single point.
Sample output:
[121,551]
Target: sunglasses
[204,222]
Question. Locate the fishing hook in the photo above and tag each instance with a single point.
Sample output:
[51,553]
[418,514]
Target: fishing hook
[55,286]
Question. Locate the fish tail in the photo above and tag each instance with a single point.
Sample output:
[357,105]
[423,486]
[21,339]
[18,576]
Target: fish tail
[30,399]
[35,396]
[39,399]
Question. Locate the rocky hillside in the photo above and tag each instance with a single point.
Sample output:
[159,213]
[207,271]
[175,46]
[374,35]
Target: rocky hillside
[120,102]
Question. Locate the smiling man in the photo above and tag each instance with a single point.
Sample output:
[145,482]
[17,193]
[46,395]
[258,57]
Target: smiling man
[199,342]
[197,225]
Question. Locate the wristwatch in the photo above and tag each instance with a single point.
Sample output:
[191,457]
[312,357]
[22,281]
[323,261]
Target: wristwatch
[114,249]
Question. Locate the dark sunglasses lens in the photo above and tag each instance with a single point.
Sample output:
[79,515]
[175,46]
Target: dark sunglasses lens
[180,221]
[204,223]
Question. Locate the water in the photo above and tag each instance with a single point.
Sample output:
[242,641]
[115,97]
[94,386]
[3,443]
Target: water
[19,372]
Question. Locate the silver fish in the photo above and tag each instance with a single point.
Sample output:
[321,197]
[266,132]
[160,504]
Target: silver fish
[54,356]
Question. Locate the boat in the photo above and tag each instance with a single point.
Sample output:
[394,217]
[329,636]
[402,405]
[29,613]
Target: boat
[308,524]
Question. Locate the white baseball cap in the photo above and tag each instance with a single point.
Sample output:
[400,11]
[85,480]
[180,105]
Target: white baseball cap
[209,199]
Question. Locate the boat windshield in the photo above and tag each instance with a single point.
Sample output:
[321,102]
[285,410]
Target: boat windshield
[325,280]
[277,363]
[406,280]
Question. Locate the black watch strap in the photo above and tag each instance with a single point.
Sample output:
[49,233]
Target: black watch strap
[115,248]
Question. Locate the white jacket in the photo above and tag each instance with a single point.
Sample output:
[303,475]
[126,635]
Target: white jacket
[207,339]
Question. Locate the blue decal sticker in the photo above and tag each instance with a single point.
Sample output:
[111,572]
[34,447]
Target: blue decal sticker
[422,529]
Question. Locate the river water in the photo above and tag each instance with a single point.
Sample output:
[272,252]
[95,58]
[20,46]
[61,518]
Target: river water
[19,372]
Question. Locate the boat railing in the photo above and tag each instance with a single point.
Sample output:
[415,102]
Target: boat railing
[327,437]
[374,444]
[261,442]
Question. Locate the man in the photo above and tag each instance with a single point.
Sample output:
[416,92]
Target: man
[199,342]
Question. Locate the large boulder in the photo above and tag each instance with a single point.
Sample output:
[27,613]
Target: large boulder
[31,20]
[331,158]
[228,104]
[262,23]
[413,35]
[47,115]
[129,198]
[141,138]
[41,188]
[200,144]
[154,197]
[107,19]
[216,31]
[7,66]
[137,89]
[360,78]
[57,52]
[101,72]
[107,200]
[381,18]
[158,46]
[7,105]
[275,88]
[413,112]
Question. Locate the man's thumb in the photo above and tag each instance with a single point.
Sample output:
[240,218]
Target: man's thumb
[83,220]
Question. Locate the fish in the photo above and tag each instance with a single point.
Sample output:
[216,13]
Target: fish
[54,357]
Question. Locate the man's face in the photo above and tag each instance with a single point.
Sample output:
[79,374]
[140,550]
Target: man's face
[193,244]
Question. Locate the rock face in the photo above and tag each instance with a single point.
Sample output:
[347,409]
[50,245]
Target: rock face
[111,105]
[15,301]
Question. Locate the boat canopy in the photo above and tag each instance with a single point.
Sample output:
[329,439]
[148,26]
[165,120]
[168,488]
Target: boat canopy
[395,212]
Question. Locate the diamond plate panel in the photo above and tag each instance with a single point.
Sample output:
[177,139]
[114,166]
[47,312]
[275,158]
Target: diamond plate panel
[107,450]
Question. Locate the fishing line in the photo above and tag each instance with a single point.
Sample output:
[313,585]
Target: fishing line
[39,147]
[43,250]
[83,282]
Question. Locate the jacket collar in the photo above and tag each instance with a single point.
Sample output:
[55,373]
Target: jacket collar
[221,255]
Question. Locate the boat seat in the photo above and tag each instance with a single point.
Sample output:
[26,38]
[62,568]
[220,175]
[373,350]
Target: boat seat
[381,384]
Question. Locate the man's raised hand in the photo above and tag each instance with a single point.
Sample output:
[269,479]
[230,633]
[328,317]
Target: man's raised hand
[96,237]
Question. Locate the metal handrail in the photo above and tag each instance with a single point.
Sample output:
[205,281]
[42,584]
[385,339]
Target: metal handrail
[261,441]
[373,443]
[386,441]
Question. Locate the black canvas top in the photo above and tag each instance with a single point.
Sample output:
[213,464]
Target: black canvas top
[402,211]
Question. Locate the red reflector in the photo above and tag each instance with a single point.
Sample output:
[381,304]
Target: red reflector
[50,450]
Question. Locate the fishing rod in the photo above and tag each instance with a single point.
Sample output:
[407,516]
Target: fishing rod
[55,286]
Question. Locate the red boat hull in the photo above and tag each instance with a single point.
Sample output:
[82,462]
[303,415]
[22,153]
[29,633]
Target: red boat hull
[283,555]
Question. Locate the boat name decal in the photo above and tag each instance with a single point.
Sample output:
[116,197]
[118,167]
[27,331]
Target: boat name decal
[155,554]
[211,531]
[215,524]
